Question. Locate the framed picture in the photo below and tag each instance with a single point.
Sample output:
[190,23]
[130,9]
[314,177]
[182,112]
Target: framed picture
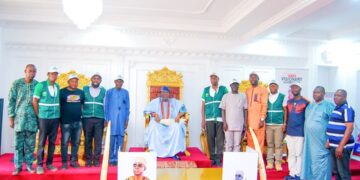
[136,165]
[240,165]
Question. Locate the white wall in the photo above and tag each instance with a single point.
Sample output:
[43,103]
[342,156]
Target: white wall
[339,72]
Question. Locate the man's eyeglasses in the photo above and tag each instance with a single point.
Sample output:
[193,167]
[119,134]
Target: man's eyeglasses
[139,165]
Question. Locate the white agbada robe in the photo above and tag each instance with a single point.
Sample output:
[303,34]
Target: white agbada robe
[165,140]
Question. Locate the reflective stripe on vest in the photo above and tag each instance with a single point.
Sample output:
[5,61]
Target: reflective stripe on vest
[45,104]
[95,103]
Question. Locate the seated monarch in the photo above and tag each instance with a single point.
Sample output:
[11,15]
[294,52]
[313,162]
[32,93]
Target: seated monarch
[166,132]
[139,167]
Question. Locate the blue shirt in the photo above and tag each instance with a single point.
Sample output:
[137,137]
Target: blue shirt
[296,116]
[336,128]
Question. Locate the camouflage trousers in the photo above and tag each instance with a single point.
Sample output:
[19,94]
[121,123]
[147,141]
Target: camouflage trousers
[24,148]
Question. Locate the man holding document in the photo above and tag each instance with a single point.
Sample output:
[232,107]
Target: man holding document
[165,134]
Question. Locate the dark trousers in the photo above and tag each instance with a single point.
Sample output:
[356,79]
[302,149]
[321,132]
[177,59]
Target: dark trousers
[93,129]
[215,138]
[341,167]
[48,130]
[71,131]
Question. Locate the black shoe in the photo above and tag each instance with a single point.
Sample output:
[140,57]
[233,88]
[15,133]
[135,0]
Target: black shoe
[218,162]
[213,163]
[289,177]
[96,163]
[16,172]
[64,166]
[30,169]
[88,164]
[51,168]
[74,165]
[176,158]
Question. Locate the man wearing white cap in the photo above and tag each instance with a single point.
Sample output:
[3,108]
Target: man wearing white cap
[46,103]
[295,130]
[234,107]
[276,115]
[93,119]
[117,111]
[71,101]
[212,118]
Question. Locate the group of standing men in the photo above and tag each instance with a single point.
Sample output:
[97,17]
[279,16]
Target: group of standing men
[317,134]
[44,106]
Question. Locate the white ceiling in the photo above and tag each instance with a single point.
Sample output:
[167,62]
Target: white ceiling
[247,19]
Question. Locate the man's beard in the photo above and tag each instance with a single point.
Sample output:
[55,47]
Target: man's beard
[95,85]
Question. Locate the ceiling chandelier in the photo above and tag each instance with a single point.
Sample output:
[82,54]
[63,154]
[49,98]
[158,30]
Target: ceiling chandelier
[83,12]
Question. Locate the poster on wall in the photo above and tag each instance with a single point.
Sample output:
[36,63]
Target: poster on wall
[285,77]
[136,165]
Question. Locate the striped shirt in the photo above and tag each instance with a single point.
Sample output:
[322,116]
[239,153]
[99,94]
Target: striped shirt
[336,128]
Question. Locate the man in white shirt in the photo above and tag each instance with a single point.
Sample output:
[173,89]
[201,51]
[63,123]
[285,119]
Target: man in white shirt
[234,113]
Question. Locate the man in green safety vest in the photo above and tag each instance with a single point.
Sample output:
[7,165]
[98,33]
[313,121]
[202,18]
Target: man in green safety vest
[212,118]
[47,108]
[93,119]
[275,128]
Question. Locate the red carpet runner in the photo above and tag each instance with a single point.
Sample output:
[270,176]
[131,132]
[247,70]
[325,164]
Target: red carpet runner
[93,173]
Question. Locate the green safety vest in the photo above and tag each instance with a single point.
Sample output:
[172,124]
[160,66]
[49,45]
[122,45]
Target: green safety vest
[212,110]
[94,106]
[275,112]
[49,106]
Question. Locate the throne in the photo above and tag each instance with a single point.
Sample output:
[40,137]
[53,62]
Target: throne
[172,79]
[62,80]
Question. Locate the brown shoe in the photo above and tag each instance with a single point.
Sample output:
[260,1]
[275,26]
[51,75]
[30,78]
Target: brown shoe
[270,166]
[278,167]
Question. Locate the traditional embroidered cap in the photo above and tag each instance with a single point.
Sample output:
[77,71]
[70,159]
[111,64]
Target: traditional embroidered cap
[165,88]
[119,77]
[73,76]
[295,84]
[53,69]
